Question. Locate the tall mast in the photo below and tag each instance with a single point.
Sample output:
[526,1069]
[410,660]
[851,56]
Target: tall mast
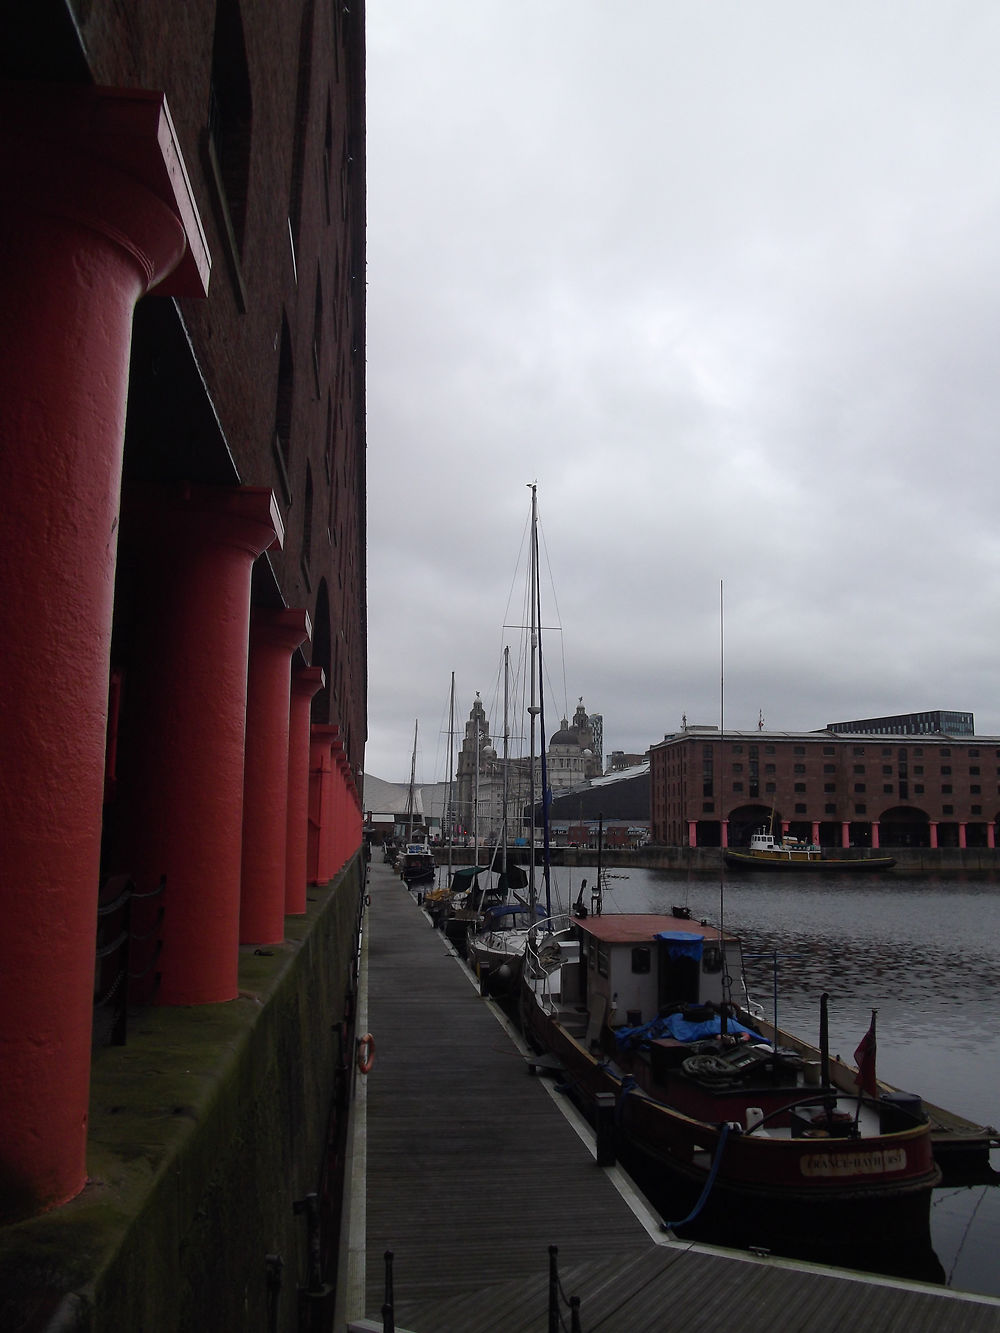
[533,704]
[475,792]
[543,764]
[722,667]
[413,778]
[506,752]
[451,771]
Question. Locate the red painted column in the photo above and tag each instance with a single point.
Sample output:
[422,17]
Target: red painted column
[357,820]
[321,778]
[991,834]
[875,834]
[724,832]
[188,692]
[93,214]
[932,825]
[815,832]
[305,683]
[692,833]
[845,833]
[274,636]
[355,817]
[339,806]
[961,834]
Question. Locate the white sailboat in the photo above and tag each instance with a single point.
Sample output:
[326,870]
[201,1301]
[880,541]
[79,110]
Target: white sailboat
[496,950]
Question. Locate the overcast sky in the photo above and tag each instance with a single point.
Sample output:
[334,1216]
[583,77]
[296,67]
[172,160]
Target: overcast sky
[723,278]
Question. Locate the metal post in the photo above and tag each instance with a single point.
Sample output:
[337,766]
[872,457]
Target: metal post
[606,1132]
[388,1315]
[553,1290]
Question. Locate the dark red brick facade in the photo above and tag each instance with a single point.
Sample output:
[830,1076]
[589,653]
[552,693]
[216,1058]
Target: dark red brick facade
[208,380]
[919,791]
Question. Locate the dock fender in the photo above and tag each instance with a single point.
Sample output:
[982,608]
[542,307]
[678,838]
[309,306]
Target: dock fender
[627,1084]
[366,1053]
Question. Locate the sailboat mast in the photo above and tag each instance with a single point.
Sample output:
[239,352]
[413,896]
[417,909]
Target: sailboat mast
[533,695]
[722,666]
[475,794]
[543,768]
[726,994]
[506,751]
[413,779]
[451,771]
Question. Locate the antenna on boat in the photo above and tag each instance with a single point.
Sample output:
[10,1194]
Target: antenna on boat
[597,898]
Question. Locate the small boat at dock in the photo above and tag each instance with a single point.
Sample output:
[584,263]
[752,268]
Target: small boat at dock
[415,863]
[724,1121]
[767,851]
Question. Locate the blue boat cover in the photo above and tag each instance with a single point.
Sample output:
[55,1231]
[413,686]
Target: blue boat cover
[518,912]
[682,943]
[681,1029]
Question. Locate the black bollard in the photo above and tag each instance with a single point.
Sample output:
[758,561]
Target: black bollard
[607,1153]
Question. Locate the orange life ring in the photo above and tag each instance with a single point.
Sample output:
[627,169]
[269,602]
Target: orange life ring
[366,1053]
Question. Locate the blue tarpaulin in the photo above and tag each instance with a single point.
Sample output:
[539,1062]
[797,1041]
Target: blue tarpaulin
[682,943]
[681,1029]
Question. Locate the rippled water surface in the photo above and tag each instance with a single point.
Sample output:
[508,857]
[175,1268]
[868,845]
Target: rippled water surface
[924,953]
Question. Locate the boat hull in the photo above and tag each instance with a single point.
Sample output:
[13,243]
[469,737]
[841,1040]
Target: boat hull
[786,1194]
[498,969]
[424,876]
[818,864]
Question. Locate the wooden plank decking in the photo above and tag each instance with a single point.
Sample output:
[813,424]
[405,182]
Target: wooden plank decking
[470,1172]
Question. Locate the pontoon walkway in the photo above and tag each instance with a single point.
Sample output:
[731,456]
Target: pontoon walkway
[467,1170]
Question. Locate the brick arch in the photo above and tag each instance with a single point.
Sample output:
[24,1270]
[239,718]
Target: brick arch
[904,826]
[744,819]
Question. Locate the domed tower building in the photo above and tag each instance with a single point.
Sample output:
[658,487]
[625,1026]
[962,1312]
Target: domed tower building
[572,759]
[478,781]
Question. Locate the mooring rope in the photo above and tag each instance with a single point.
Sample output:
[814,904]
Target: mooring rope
[670,1226]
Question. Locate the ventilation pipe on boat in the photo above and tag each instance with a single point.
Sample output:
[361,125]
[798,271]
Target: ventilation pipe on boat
[829,1094]
[824,1041]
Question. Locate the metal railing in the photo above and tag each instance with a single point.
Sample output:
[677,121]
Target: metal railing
[119,972]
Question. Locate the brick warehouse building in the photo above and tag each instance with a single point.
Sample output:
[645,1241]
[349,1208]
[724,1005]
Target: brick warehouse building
[839,790]
[183,681]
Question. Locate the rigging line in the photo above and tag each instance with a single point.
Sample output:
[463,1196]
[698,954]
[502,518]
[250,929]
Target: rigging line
[558,624]
[965,1234]
[682,1248]
[946,1196]
[546,797]
[443,734]
[517,578]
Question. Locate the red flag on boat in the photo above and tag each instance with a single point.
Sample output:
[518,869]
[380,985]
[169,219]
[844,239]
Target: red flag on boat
[864,1058]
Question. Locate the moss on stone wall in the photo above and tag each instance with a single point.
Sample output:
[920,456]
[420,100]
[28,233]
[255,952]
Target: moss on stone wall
[204,1129]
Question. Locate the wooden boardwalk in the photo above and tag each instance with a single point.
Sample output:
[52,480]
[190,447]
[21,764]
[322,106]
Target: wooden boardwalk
[467,1171]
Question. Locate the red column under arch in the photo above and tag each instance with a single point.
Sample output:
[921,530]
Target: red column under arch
[183,793]
[95,211]
[305,683]
[274,636]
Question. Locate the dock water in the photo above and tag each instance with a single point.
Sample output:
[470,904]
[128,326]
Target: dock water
[468,1168]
